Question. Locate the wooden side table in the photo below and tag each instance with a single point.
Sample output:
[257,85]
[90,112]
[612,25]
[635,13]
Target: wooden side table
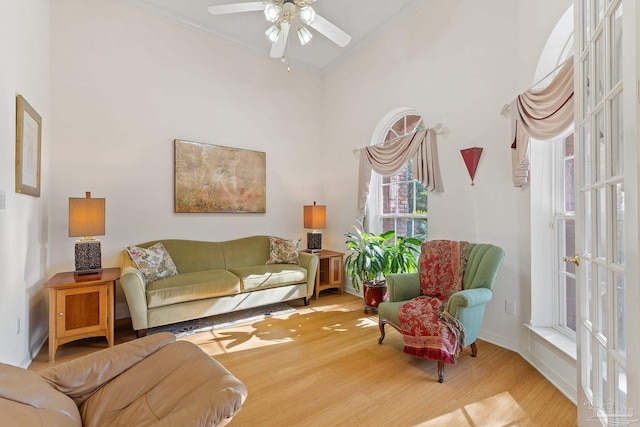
[81,307]
[330,273]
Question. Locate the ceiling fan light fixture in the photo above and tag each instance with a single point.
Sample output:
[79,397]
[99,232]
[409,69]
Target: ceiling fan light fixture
[304,35]
[272,12]
[273,33]
[307,15]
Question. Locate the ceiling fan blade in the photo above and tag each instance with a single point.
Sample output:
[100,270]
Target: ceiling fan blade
[330,31]
[277,50]
[223,9]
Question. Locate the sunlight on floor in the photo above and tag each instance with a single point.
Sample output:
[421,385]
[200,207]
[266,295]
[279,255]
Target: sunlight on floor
[498,410]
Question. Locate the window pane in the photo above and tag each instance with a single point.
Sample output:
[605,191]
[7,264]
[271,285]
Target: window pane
[586,20]
[588,286]
[616,46]
[388,224]
[603,392]
[420,229]
[618,232]
[568,168]
[621,391]
[568,242]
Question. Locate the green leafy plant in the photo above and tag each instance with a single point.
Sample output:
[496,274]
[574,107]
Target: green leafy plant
[372,256]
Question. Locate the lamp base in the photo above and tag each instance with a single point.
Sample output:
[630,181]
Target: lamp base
[314,242]
[88,255]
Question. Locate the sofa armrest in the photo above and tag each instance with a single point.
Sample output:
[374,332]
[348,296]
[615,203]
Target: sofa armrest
[468,298]
[310,262]
[403,287]
[80,377]
[133,285]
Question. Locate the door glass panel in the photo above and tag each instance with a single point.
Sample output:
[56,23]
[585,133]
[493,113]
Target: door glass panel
[618,224]
[620,342]
[616,46]
[569,167]
[586,155]
[587,363]
[598,89]
[587,223]
[586,20]
[621,389]
[601,148]
[586,87]
[588,286]
[603,394]
[601,301]
[600,9]
[601,223]
[617,152]
[568,242]
[570,303]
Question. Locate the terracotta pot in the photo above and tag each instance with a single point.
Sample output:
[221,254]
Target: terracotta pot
[374,294]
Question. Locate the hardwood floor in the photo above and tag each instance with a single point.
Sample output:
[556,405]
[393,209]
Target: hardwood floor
[323,366]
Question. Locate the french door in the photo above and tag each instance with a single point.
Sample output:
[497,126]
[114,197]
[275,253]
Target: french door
[606,212]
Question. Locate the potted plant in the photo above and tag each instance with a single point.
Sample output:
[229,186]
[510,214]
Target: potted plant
[371,257]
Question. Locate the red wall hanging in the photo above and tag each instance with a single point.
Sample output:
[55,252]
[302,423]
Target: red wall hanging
[471,158]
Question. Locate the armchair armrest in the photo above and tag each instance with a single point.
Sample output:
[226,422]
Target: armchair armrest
[133,285]
[310,262]
[403,287]
[468,298]
[79,378]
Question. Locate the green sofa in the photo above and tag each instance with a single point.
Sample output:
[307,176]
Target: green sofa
[213,278]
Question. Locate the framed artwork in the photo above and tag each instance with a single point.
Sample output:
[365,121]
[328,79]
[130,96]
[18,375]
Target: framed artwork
[213,178]
[28,143]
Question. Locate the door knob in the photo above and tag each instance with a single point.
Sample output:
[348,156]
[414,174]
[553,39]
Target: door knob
[575,259]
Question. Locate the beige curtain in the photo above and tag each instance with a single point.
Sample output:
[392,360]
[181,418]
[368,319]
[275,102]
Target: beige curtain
[389,159]
[541,114]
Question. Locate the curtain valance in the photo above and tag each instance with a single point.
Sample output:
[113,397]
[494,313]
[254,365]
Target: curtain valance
[541,114]
[389,159]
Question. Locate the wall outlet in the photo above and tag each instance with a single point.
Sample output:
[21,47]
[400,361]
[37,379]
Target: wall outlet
[510,307]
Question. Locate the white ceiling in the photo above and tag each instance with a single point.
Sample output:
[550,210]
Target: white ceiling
[362,19]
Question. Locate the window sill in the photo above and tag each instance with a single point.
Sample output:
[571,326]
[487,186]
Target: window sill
[561,342]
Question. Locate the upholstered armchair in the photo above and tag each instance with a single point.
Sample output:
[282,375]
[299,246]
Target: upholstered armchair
[454,310]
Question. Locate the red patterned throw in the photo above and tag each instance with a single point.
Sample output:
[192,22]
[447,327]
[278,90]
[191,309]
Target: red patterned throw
[429,331]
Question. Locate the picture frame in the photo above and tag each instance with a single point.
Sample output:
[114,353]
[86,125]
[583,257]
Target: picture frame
[217,179]
[28,148]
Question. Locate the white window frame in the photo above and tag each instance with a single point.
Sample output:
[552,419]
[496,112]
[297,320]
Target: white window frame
[375,201]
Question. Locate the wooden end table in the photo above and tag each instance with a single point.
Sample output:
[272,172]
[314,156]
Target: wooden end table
[330,273]
[81,307]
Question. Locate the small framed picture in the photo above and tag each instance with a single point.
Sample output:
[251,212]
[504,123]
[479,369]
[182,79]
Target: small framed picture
[28,143]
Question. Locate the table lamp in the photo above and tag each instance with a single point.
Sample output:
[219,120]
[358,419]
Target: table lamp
[315,218]
[86,219]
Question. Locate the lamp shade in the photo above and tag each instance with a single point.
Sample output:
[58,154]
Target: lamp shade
[315,216]
[86,216]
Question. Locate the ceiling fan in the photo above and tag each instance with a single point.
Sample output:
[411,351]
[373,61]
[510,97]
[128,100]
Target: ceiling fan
[284,14]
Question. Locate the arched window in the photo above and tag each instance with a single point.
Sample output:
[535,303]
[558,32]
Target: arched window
[398,202]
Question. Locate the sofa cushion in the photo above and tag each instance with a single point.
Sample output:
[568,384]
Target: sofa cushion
[247,251]
[153,262]
[192,255]
[269,276]
[191,286]
[282,251]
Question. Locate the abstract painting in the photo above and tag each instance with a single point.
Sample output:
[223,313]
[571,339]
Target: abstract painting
[213,178]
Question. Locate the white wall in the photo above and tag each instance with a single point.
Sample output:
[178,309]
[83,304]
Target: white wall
[24,234]
[125,84]
[457,63]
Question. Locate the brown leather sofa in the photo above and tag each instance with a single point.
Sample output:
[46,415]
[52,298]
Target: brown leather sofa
[152,381]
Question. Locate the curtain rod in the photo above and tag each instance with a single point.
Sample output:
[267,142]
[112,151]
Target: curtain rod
[506,109]
[437,128]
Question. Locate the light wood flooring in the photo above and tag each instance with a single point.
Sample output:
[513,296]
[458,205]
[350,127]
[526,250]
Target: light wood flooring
[323,366]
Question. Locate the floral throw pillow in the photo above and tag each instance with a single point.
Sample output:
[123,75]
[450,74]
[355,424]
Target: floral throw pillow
[283,251]
[154,262]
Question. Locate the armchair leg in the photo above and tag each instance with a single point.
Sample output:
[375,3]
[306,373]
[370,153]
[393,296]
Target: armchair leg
[440,372]
[381,324]
[141,333]
[474,349]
